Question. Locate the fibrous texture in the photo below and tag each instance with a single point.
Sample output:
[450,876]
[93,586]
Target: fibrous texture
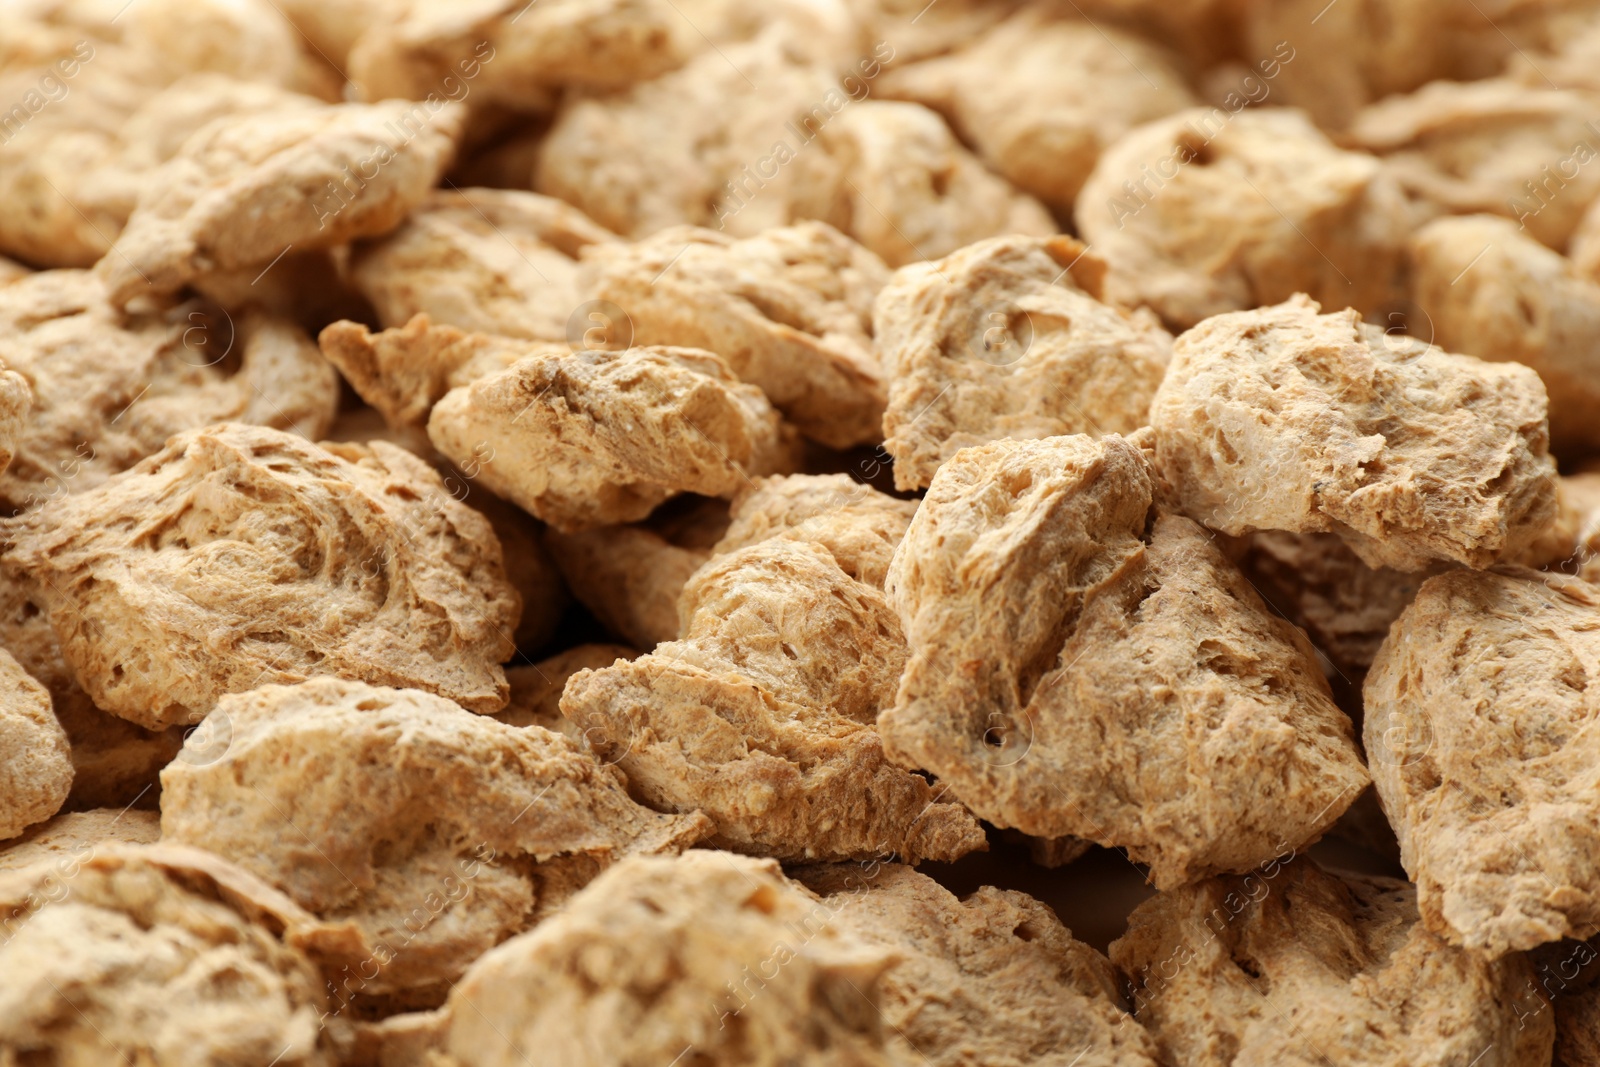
[536,689]
[71,838]
[790,310]
[1291,964]
[629,577]
[1029,580]
[1202,212]
[1481,731]
[239,556]
[459,814]
[1007,338]
[35,759]
[761,714]
[1287,419]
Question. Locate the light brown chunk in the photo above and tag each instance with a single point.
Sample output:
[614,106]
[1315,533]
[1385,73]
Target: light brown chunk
[493,261]
[710,953]
[536,688]
[585,438]
[790,310]
[70,839]
[457,813]
[1028,583]
[1040,98]
[1481,736]
[1290,965]
[1007,338]
[1287,419]
[1571,544]
[529,567]
[629,577]
[16,401]
[908,31]
[239,556]
[761,715]
[1201,213]
[239,193]
[110,387]
[992,979]
[35,758]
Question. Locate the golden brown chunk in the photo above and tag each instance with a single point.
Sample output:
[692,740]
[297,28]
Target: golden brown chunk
[239,556]
[1028,583]
[1481,734]
[1287,419]
[1487,289]
[1290,965]
[1007,339]
[1040,98]
[239,193]
[585,438]
[1201,213]
[790,310]
[708,954]
[442,860]
[110,387]
[536,689]
[35,758]
[494,261]
[761,715]
[72,838]
[992,979]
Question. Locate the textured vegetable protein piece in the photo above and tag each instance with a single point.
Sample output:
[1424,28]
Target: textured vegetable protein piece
[536,689]
[239,556]
[1007,338]
[35,758]
[1028,582]
[1286,419]
[629,577]
[73,837]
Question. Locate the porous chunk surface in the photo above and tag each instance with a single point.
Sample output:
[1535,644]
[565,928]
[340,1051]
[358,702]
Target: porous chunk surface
[35,758]
[71,838]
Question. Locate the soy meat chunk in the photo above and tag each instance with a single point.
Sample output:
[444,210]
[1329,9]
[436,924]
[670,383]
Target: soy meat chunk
[1008,338]
[1487,289]
[1201,213]
[993,978]
[1291,964]
[710,953]
[536,689]
[587,438]
[71,838]
[1481,736]
[239,193]
[239,556]
[629,577]
[761,715]
[1040,98]
[1286,419]
[35,758]
[529,567]
[1029,580]
[364,803]
[494,261]
[789,309]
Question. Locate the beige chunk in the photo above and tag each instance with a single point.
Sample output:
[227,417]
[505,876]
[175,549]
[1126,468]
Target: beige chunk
[629,577]
[1201,213]
[1287,419]
[1028,584]
[1040,98]
[157,955]
[70,839]
[35,758]
[238,193]
[493,261]
[1481,736]
[711,952]
[586,438]
[906,31]
[1468,147]
[1487,289]
[536,688]
[993,979]
[239,556]
[11,271]
[529,567]
[1572,543]
[1291,965]
[1007,338]
[761,715]
[790,310]
[456,813]
[16,403]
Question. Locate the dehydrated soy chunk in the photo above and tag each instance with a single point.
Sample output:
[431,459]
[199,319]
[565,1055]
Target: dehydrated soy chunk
[629,577]
[1481,732]
[588,438]
[493,261]
[707,953]
[993,978]
[1202,212]
[1291,964]
[239,556]
[529,567]
[790,309]
[1286,419]
[536,688]
[761,715]
[455,816]
[70,839]
[239,193]
[1030,579]
[1007,338]
[35,759]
